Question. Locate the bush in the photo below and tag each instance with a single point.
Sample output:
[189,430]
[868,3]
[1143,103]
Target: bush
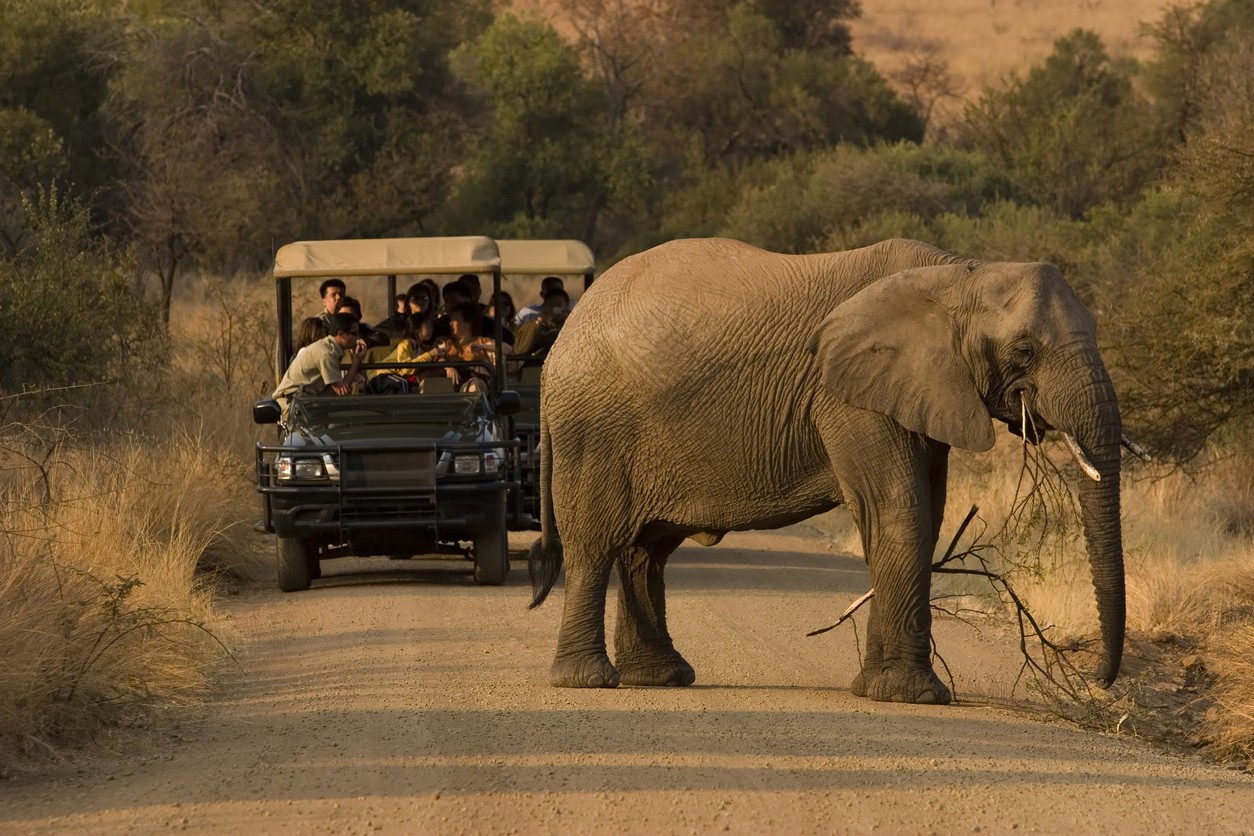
[1074,134]
[835,200]
[71,318]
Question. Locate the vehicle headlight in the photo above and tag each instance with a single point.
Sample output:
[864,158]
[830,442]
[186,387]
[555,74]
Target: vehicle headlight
[288,468]
[465,465]
[491,462]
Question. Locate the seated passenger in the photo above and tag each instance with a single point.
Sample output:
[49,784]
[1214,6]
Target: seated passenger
[420,300]
[454,293]
[312,329]
[316,368]
[419,338]
[488,324]
[547,285]
[370,336]
[535,336]
[462,344]
[397,324]
[331,291]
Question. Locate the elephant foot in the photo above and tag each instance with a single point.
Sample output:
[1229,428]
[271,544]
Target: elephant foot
[670,669]
[897,685]
[583,672]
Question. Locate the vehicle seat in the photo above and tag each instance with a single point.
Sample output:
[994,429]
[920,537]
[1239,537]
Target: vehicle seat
[530,374]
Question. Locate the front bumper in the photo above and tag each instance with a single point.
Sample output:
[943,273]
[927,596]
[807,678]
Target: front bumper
[377,491]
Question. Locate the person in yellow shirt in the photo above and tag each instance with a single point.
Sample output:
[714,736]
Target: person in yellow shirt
[462,344]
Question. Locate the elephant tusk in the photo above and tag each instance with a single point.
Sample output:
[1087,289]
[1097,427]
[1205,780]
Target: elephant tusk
[1081,459]
[1023,419]
[1136,449]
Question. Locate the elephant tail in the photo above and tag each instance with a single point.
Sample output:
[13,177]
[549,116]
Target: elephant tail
[544,561]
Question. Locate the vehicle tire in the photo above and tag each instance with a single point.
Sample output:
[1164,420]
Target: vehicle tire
[296,557]
[491,545]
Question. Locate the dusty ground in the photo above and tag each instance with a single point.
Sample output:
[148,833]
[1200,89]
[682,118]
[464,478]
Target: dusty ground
[405,699]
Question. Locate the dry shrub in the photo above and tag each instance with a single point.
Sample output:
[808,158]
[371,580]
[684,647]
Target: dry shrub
[223,343]
[1230,720]
[1189,554]
[102,611]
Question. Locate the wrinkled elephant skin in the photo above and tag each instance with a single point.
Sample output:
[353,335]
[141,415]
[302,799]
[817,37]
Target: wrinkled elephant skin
[707,386]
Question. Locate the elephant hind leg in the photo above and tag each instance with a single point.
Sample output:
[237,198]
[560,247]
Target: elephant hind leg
[581,660]
[642,644]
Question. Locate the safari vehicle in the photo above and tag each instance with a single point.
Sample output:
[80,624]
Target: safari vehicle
[397,474]
[523,261]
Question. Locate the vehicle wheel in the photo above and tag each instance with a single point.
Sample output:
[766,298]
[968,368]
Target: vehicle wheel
[296,557]
[491,545]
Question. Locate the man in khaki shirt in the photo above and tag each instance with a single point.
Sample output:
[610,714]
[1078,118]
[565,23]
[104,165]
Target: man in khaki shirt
[315,370]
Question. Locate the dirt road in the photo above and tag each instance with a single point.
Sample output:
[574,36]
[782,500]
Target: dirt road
[406,700]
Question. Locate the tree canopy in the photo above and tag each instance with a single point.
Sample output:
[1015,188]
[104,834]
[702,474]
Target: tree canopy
[168,136]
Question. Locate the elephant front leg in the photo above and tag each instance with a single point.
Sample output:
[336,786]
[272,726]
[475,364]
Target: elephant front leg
[642,644]
[897,666]
[898,677]
[581,660]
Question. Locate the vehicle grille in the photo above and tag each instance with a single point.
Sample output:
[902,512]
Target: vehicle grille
[387,509]
[390,469]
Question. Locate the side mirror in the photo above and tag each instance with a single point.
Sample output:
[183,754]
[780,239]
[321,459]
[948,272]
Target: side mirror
[508,403]
[269,412]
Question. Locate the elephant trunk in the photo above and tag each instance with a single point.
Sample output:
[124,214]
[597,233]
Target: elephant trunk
[1092,418]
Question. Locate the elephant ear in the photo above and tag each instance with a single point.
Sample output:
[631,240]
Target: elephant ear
[893,349]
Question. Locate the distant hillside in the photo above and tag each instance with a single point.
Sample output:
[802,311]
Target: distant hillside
[980,40]
[984,40]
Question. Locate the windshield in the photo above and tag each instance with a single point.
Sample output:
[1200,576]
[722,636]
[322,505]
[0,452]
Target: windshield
[455,409]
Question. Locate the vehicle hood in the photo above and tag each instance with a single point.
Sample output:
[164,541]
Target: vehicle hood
[375,419]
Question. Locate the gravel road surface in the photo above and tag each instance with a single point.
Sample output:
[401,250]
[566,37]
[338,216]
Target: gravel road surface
[397,697]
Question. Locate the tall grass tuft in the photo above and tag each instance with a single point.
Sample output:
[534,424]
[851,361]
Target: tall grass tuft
[103,612]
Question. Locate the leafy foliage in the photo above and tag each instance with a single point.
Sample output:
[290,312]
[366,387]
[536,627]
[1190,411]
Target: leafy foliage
[540,165]
[1187,316]
[203,132]
[1074,132]
[70,318]
[834,200]
[52,84]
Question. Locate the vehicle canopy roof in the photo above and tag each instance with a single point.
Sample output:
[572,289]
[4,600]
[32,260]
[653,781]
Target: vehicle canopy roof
[559,257]
[389,256]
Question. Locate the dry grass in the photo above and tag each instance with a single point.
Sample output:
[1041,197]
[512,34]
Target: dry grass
[111,546]
[103,611]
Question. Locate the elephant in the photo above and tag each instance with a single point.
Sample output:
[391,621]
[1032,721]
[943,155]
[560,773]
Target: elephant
[707,386]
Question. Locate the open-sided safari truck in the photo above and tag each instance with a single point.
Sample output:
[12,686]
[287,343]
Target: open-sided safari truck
[520,260]
[398,474]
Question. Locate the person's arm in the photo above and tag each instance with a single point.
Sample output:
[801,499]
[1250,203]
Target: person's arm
[438,352]
[346,385]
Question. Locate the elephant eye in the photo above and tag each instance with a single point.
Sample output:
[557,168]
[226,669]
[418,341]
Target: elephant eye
[1024,352]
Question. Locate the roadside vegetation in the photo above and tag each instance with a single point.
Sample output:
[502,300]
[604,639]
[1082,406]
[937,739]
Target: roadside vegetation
[152,156]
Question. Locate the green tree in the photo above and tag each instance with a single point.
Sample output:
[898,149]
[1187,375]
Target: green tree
[54,68]
[1180,78]
[545,163]
[835,199]
[1074,132]
[202,159]
[740,89]
[367,106]
[65,300]
[1185,312]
